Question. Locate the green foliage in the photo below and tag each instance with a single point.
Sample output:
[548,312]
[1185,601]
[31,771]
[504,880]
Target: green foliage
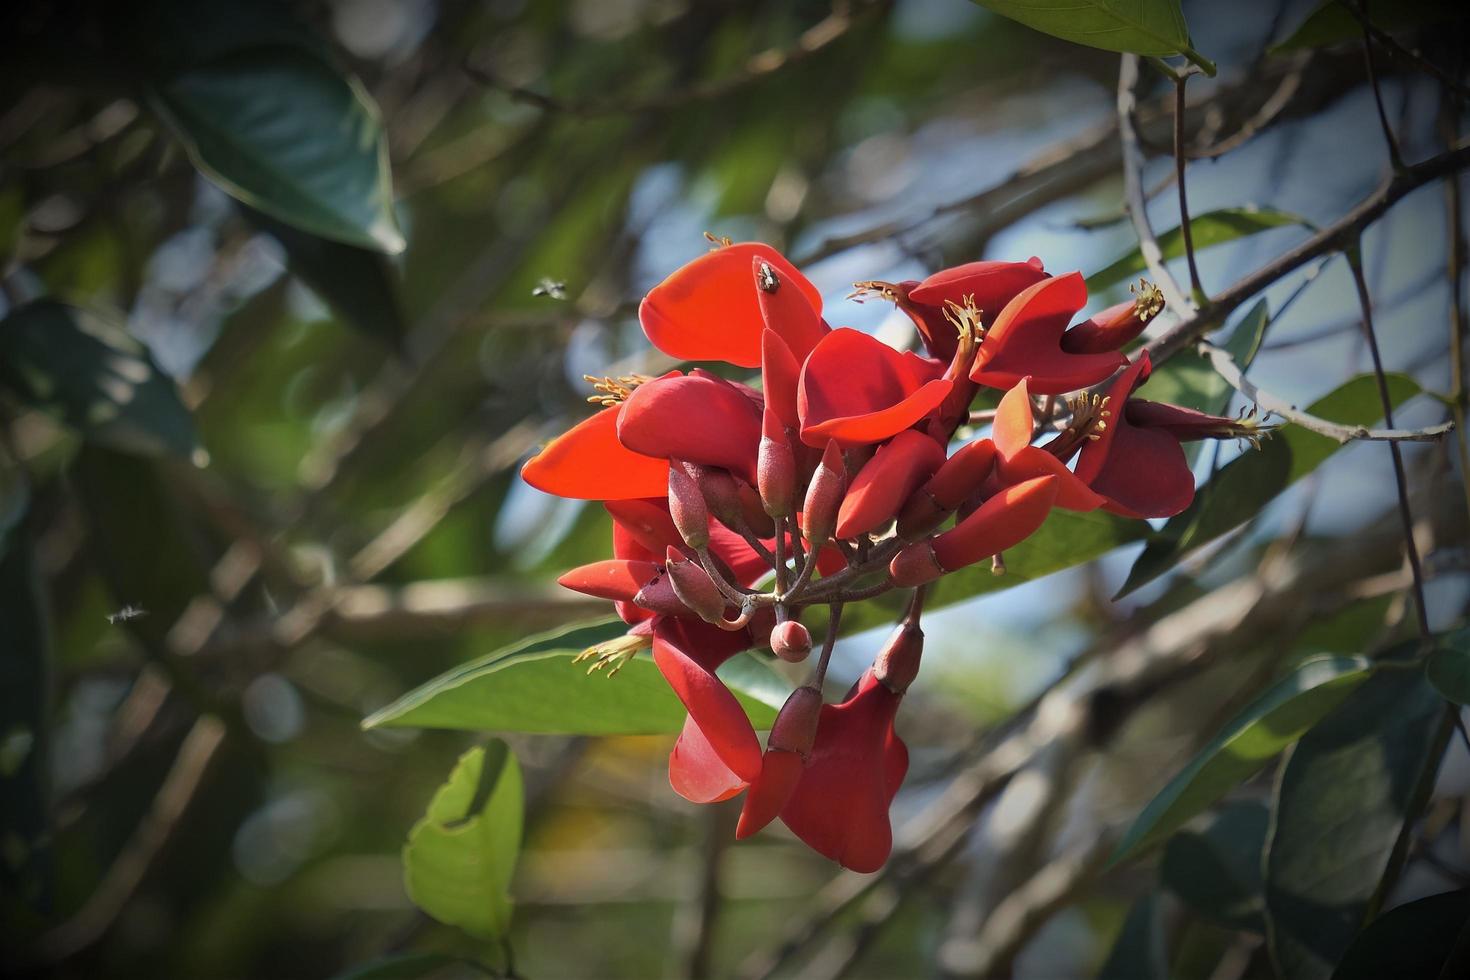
[1139,952]
[1422,939]
[1338,815]
[1147,27]
[1251,739]
[1241,488]
[1448,667]
[1216,868]
[407,966]
[1211,228]
[1190,380]
[1330,24]
[533,686]
[90,372]
[459,859]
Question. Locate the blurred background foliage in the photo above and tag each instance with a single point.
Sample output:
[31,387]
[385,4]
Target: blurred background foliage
[264,402]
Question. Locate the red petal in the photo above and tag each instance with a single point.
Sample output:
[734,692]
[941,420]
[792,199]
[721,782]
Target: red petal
[695,770]
[1143,471]
[858,390]
[1014,421]
[780,772]
[962,474]
[1033,462]
[687,654]
[991,284]
[612,579]
[1003,521]
[887,480]
[790,312]
[780,374]
[646,522]
[1108,331]
[1026,340]
[1180,422]
[709,310]
[696,419]
[588,462]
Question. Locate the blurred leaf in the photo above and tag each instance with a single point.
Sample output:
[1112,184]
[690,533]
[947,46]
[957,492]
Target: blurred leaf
[25,697]
[1266,726]
[361,285]
[1216,869]
[15,495]
[92,373]
[1190,380]
[1147,27]
[285,133]
[407,966]
[1330,24]
[1249,482]
[1448,667]
[533,686]
[1412,942]
[1210,228]
[1139,952]
[1338,811]
[459,858]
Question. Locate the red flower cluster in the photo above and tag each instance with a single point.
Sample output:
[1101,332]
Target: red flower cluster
[835,480]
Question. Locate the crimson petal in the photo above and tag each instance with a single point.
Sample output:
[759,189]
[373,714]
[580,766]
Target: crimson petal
[858,390]
[687,654]
[587,462]
[1026,340]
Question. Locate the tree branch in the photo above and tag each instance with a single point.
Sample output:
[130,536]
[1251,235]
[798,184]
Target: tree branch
[1133,196]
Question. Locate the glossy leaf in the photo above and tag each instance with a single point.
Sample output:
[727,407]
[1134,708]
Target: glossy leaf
[284,132]
[1330,24]
[458,861]
[534,687]
[1216,868]
[1337,814]
[1147,27]
[1251,739]
[361,285]
[1448,667]
[1139,952]
[90,372]
[1242,487]
[1415,940]
[1210,228]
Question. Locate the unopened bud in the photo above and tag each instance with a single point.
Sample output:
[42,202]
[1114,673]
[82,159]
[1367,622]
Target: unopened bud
[795,728]
[824,496]
[775,467]
[788,748]
[791,641]
[915,565]
[687,506]
[659,596]
[721,493]
[897,664]
[957,478]
[694,587]
[1003,521]
[887,481]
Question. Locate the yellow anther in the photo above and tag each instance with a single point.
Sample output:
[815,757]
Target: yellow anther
[614,653]
[874,287]
[719,241]
[1148,300]
[965,318]
[612,391]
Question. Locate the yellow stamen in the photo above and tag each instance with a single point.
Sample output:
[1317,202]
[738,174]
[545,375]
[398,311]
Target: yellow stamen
[719,241]
[613,391]
[614,653]
[1149,300]
[1089,416]
[965,318]
[874,287]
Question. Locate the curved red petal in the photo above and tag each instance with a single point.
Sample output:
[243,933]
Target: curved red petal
[962,474]
[991,284]
[647,522]
[708,309]
[1033,462]
[696,771]
[687,654]
[1003,521]
[587,462]
[780,375]
[695,419]
[780,773]
[1026,340]
[897,469]
[1108,331]
[1144,474]
[791,313]
[1014,421]
[858,390]
[613,579]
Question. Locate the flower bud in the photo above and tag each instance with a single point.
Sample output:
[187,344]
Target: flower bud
[886,481]
[787,750]
[956,479]
[687,506]
[1003,521]
[791,641]
[695,588]
[824,496]
[897,664]
[915,565]
[775,467]
[659,596]
[720,492]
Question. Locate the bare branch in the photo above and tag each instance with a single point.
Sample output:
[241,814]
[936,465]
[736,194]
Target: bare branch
[1133,196]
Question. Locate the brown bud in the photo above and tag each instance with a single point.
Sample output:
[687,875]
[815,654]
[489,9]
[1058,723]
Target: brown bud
[687,506]
[720,492]
[775,467]
[915,565]
[824,496]
[694,587]
[659,596]
[791,641]
[897,664]
[795,729]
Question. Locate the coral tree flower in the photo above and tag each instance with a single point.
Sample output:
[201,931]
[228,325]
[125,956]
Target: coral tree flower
[1026,341]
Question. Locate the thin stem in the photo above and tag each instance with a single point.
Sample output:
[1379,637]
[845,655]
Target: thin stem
[1355,263]
[727,589]
[780,554]
[819,676]
[1395,158]
[1196,290]
[1458,321]
[1148,242]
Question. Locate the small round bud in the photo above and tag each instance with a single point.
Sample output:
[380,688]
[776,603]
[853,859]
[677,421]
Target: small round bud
[791,641]
[694,587]
[915,565]
[824,496]
[775,467]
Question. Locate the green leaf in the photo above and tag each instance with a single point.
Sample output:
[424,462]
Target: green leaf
[361,285]
[1252,480]
[1216,869]
[284,132]
[1210,228]
[1146,27]
[1415,940]
[1448,668]
[88,370]
[406,966]
[1139,952]
[1339,807]
[459,858]
[1251,739]
[533,686]
[1190,380]
[1331,24]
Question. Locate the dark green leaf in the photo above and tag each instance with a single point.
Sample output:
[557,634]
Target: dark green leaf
[95,376]
[361,285]
[1139,952]
[1216,869]
[1339,807]
[1266,726]
[407,966]
[1247,483]
[1210,228]
[1448,667]
[1411,942]
[534,687]
[458,861]
[284,132]
[1147,27]
[1330,24]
